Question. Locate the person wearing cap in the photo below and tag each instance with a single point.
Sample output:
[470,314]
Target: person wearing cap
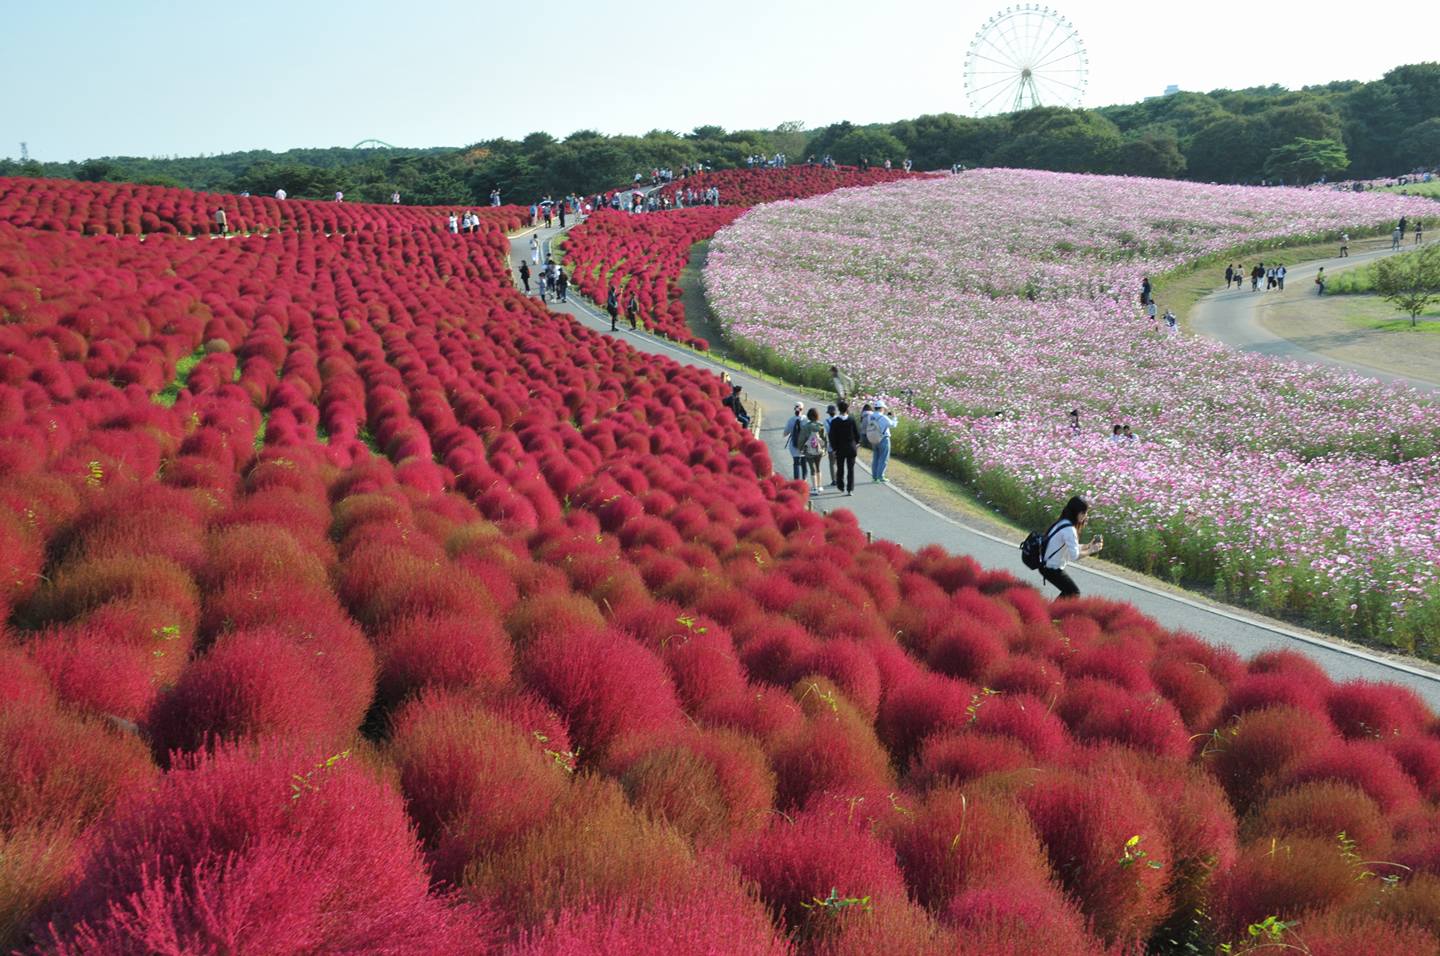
[881,422]
[793,442]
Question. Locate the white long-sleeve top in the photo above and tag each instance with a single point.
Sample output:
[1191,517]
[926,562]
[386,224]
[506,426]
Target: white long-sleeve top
[1063,547]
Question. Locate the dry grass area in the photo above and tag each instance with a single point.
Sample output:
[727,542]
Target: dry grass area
[1363,329]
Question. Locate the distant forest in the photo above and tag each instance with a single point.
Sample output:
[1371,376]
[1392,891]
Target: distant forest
[1345,129]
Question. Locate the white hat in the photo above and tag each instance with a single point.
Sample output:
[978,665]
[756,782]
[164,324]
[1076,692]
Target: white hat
[879,403]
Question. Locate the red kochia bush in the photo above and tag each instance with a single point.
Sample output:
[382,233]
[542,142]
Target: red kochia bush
[956,840]
[1252,754]
[1024,919]
[274,849]
[1365,764]
[798,863]
[473,781]
[709,785]
[453,651]
[604,684]
[59,771]
[1322,810]
[713,919]
[1289,879]
[1366,709]
[1087,824]
[250,685]
[1097,710]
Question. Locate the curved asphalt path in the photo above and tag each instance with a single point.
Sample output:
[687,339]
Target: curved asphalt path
[1232,317]
[888,511]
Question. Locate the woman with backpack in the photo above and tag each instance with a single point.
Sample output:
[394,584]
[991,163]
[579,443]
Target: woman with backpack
[1062,545]
[812,443]
[795,444]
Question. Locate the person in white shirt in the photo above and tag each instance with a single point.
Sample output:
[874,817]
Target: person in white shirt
[1062,545]
[339,196]
[880,425]
[279,194]
[395,198]
[454,223]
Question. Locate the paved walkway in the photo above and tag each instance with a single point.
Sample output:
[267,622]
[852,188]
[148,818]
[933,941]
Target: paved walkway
[1232,317]
[889,511]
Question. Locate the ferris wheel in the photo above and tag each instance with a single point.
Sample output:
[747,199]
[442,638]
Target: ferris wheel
[1024,56]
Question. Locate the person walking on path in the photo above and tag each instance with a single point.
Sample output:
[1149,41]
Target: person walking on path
[562,285]
[1256,274]
[1280,278]
[830,414]
[1419,229]
[812,435]
[793,442]
[1229,275]
[525,275]
[632,309]
[844,444]
[840,383]
[1396,236]
[222,222]
[879,433]
[1320,281]
[1344,245]
[612,306]
[535,249]
[1401,226]
[1062,545]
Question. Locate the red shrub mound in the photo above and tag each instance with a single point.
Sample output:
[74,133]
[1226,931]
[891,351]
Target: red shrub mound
[277,849]
[800,865]
[1097,710]
[957,756]
[709,785]
[1366,765]
[254,684]
[1107,843]
[592,849]
[713,917]
[1253,754]
[473,781]
[1366,709]
[1019,919]
[604,684]
[1289,879]
[451,651]
[1323,810]
[953,840]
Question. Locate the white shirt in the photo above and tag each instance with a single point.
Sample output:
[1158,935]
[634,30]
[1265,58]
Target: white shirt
[279,194]
[1063,546]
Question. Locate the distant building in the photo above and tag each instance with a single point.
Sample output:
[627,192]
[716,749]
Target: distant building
[1171,90]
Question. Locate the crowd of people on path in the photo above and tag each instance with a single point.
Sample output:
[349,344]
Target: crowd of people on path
[1261,276]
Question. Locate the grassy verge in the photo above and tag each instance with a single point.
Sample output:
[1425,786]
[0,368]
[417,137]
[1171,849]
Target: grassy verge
[1430,189]
[1361,281]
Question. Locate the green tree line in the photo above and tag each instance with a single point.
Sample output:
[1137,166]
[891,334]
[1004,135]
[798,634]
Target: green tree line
[1343,129]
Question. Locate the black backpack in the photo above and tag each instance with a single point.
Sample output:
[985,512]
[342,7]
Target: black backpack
[1032,549]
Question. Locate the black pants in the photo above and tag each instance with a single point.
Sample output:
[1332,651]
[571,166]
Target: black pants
[845,469]
[1062,580]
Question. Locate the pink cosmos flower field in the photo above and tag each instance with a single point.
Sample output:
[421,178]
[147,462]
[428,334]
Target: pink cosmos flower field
[1005,298]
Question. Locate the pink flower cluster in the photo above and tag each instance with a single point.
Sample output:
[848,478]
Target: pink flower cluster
[1006,298]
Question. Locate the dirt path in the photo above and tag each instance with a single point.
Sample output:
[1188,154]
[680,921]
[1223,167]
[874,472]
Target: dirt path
[1298,325]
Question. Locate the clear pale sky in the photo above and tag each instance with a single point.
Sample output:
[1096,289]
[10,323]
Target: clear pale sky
[161,77]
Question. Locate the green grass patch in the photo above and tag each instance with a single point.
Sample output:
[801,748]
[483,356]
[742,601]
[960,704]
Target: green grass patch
[167,395]
[1430,189]
[1361,281]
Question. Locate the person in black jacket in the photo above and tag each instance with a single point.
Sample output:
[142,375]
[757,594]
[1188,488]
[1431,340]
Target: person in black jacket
[612,305]
[845,442]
